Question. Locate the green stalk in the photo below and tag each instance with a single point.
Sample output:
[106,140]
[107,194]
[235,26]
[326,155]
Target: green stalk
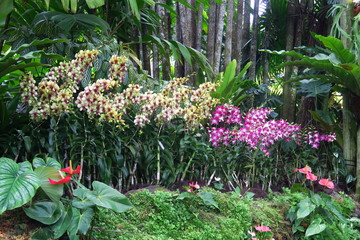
[158,157]
[187,166]
[253,169]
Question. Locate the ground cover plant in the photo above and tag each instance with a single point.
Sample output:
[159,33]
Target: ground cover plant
[101,100]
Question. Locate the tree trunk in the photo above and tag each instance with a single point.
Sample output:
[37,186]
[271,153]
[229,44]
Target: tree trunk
[229,30]
[246,31]
[198,30]
[253,47]
[350,126]
[164,34]
[288,109]
[219,37]
[239,35]
[210,48]
[179,67]
[146,51]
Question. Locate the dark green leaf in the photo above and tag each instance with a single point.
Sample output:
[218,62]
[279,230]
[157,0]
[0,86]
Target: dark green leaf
[44,212]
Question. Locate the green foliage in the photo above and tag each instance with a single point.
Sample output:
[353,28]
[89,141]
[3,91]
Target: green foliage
[232,88]
[162,216]
[336,60]
[18,184]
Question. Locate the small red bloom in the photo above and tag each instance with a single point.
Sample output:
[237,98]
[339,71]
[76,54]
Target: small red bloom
[70,170]
[327,183]
[194,185]
[263,228]
[311,177]
[304,170]
[64,180]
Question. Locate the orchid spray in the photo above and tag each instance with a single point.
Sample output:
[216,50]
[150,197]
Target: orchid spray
[257,131]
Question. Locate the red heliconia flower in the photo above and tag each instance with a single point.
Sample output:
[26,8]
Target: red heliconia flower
[69,169]
[64,180]
[311,177]
[263,228]
[327,183]
[304,170]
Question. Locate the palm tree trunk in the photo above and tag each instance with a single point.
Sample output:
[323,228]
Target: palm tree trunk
[210,48]
[351,147]
[253,47]
[229,30]
[164,34]
[246,31]
[219,37]
[238,41]
[288,108]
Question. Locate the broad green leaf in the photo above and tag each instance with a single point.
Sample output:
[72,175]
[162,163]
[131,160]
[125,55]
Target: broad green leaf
[45,212]
[208,199]
[315,228]
[337,47]
[16,187]
[50,162]
[311,88]
[83,201]
[54,191]
[25,167]
[95,3]
[6,6]
[305,208]
[43,233]
[80,222]
[107,197]
[61,226]
[184,195]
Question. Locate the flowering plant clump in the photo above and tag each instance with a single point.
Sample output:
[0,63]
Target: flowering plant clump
[312,177]
[262,233]
[177,101]
[255,129]
[316,214]
[54,93]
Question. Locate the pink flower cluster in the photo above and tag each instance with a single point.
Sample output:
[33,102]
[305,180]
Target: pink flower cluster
[312,177]
[256,130]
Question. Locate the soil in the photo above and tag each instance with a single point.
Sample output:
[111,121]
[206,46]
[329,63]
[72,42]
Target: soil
[15,225]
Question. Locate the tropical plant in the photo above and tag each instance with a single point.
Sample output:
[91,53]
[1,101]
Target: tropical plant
[343,68]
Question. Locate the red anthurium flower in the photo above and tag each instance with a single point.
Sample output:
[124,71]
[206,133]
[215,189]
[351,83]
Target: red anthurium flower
[327,183]
[304,170]
[263,228]
[69,169]
[311,176]
[64,180]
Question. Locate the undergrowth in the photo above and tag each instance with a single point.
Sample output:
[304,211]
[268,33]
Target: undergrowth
[161,216]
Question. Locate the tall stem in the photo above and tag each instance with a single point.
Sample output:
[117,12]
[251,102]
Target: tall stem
[187,166]
[253,165]
[158,157]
